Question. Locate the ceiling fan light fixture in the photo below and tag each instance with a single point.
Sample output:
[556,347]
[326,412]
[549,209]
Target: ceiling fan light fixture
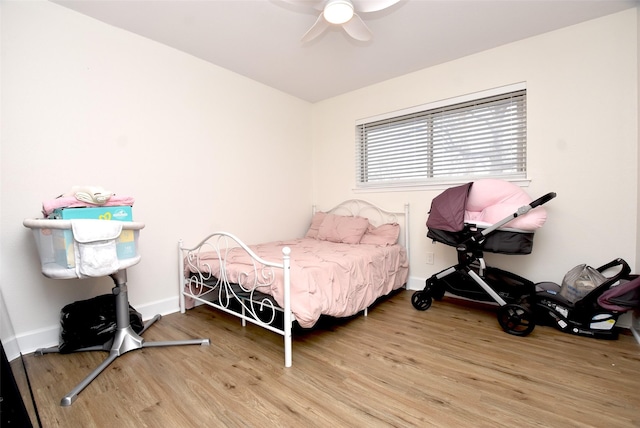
[338,11]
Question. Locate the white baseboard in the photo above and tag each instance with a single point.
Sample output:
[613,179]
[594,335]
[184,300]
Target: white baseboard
[46,337]
[624,320]
[11,348]
[635,325]
[414,283]
[40,338]
[162,307]
[50,336]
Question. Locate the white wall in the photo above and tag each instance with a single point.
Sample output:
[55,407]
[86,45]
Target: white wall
[636,314]
[83,102]
[582,86]
[199,147]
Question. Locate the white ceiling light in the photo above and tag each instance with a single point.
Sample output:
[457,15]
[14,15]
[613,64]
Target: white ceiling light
[343,13]
[338,11]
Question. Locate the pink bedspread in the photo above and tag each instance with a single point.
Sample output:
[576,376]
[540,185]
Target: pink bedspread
[326,278]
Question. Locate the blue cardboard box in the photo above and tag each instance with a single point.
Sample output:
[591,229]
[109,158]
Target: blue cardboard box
[122,213]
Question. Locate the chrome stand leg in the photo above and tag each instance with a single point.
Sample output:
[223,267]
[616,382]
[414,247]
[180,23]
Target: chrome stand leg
[125,339]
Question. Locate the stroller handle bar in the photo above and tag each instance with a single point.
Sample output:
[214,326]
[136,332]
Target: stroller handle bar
[543,199]
[480,236]
[521,211]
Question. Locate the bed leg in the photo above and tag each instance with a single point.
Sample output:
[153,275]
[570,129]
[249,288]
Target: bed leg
[288,320]
[181,278]
[287,348]
[182,304]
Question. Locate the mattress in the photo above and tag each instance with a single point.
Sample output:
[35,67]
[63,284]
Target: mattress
[327,278]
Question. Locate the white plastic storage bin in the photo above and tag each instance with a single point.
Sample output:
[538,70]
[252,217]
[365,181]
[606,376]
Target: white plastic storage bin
[85,247]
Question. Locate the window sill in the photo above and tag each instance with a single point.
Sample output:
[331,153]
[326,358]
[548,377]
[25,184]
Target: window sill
[441,185]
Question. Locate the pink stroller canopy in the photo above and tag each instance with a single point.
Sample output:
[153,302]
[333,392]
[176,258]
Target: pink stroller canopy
[447,209]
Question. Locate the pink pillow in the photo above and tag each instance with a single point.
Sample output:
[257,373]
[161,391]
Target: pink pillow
[385,234]
[338,228]
[316,221]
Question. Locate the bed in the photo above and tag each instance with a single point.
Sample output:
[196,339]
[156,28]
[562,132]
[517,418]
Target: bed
[351,255]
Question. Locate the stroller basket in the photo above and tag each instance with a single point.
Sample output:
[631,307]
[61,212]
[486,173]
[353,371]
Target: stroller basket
[507,285]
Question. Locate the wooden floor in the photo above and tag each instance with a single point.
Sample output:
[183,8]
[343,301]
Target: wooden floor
[450,366]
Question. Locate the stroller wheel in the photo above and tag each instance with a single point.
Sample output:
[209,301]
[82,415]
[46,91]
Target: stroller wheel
[421,300]
[516,319]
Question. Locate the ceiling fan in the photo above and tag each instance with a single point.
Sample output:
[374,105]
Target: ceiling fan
[343,13]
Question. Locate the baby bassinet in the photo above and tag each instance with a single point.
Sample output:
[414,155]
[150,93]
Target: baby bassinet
[479,208]
[89,248]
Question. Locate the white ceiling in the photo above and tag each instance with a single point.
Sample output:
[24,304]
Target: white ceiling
[260,39]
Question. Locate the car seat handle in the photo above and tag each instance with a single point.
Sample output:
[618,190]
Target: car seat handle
[624,271]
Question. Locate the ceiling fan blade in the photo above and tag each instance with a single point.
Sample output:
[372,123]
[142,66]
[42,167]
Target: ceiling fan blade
[357,29]
[315,4]
[316,29]
[365,6]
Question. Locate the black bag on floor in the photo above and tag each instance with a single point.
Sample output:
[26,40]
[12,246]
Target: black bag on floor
[92,322]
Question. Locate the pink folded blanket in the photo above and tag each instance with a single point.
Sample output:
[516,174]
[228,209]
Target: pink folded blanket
[72,202]
[491,200]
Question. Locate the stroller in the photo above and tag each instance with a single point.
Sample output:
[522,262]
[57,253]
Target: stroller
[595,312]
[472,218]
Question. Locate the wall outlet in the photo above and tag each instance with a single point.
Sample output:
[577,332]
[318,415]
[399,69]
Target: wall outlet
[429,258]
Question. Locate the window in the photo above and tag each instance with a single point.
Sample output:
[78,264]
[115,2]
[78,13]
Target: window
[467,138]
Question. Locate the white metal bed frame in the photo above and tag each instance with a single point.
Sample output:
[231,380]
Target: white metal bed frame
[256,307]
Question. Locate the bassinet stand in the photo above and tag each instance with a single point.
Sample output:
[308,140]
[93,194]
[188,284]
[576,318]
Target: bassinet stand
[125,338]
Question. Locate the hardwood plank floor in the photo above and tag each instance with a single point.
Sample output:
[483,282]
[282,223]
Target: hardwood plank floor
[450,366]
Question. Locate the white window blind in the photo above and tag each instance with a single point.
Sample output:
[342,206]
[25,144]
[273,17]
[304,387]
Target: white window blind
[478,138]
